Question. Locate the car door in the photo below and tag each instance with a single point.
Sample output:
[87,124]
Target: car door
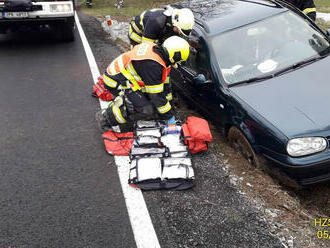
[206,96]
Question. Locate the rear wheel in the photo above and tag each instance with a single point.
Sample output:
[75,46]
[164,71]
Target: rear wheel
[240,143]
[65,31]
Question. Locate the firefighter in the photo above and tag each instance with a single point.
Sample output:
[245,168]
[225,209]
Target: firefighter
[158,24]
[155,25]
[306,6]
[136,79]
[89,3]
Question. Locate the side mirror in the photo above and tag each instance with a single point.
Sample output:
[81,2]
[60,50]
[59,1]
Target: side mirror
[200,80]
[328,32]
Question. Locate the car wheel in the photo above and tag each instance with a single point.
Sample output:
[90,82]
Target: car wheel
[68,31]
[65,31]
[239,142]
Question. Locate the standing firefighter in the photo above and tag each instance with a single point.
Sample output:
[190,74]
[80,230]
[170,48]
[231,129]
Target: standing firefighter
[156,25]
[306,6]
[137,79]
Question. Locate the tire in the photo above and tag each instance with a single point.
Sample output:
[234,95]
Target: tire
[239,142]
[68,30]
[65,30]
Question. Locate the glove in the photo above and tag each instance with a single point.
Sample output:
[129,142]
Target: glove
[171,121]
[118,101]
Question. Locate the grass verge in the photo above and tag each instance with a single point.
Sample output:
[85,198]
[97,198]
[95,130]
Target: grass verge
[323,24]
[322,5]
[131,8]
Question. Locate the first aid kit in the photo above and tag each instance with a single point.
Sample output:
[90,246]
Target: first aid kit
[160,154]
[159,158]
[162,173]
[100,91]
[118,144]
[196,134]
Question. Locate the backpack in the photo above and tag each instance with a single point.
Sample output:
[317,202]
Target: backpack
[100,91]
[118,144]
[196,134]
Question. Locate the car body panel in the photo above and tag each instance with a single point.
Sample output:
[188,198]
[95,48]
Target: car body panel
[296,95]
[231,14]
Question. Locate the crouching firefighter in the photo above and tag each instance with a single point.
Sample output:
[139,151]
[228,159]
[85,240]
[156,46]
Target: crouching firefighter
[136,79]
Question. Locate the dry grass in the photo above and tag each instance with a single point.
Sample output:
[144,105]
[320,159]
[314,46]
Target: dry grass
[322,5]
[131,7]
[323,24]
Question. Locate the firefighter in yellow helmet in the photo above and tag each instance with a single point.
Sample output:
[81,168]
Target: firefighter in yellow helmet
[137,78]
[156,25]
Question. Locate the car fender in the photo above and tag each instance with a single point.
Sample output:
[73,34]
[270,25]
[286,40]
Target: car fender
[259,132]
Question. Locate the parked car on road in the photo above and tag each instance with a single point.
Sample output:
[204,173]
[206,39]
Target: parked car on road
[260,70]
[17,14]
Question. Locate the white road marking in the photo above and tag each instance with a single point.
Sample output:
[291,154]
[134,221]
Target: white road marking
[90,57]
[144,232]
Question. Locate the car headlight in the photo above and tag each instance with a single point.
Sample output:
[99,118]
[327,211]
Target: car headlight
[305,146]
[60,8]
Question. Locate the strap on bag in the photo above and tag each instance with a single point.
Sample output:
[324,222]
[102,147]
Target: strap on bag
[186,133]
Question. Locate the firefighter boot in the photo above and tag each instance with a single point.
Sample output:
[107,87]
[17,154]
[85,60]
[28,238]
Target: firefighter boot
[102,120]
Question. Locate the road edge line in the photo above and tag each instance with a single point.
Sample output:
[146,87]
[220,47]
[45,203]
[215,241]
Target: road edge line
[143,229]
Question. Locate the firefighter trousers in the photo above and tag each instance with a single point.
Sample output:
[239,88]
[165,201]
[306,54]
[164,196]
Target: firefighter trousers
[136,106]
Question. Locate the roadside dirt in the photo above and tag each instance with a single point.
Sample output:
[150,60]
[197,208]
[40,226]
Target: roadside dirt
[291,213]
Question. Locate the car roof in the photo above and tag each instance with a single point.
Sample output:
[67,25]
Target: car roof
[222,15]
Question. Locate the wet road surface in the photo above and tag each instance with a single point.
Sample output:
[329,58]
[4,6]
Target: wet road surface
[57,187]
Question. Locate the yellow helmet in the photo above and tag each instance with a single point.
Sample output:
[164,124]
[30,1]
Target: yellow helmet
[177,49]
[184,20]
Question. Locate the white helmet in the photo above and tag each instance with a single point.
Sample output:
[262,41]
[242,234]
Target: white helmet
[184,20]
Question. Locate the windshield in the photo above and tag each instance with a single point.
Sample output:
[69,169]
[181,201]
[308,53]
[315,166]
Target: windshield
[267,46]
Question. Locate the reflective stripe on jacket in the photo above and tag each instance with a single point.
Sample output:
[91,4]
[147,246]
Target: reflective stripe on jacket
[123,65]
[309,10]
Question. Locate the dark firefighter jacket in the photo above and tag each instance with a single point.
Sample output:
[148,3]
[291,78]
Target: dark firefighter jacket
[306,6]
[151,26]
[146,70]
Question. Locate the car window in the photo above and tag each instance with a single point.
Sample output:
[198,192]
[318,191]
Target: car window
[198,61]
[267,46]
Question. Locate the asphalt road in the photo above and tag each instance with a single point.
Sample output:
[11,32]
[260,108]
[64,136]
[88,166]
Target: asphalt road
[57,187]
